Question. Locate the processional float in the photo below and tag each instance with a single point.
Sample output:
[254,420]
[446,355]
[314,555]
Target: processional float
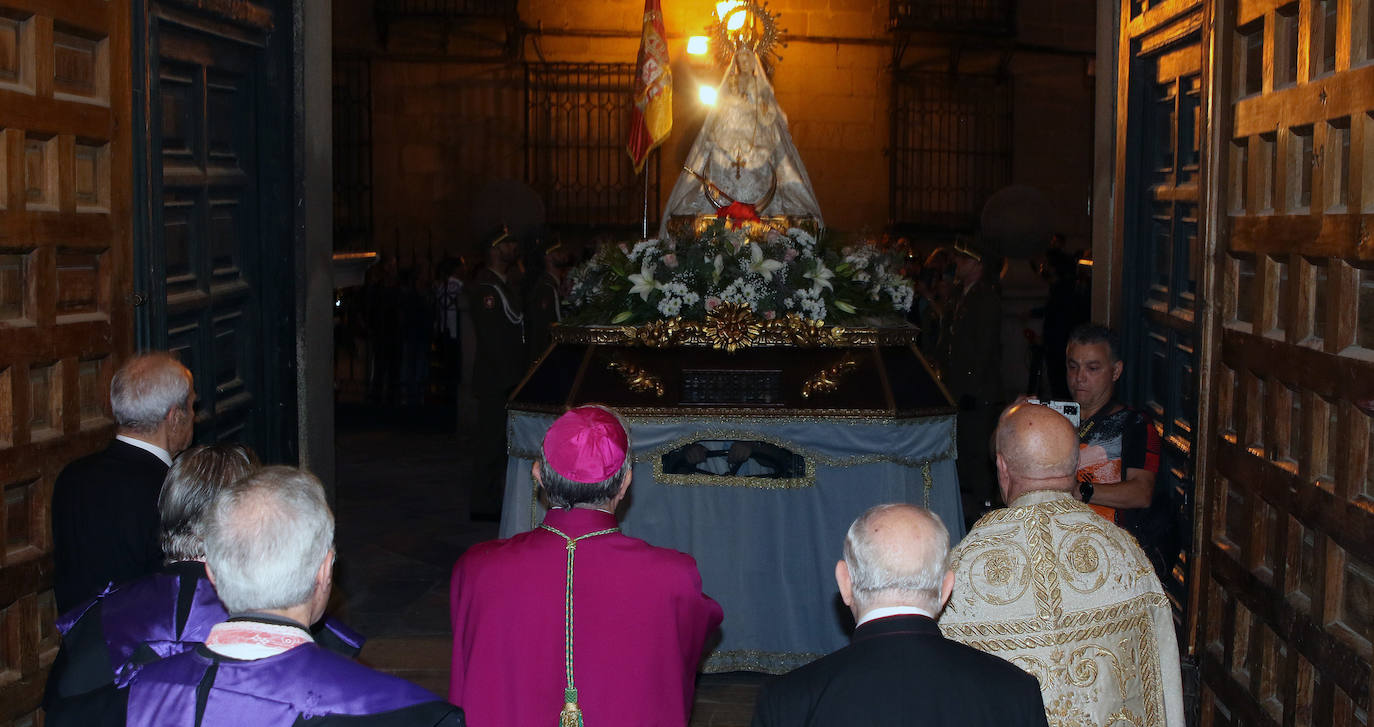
[769,379]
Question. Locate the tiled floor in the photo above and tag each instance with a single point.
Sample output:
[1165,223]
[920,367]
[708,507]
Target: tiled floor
[401,510]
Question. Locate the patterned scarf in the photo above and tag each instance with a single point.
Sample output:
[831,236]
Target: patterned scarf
[250,640]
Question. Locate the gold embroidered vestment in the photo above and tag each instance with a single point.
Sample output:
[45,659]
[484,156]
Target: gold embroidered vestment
[1054,588]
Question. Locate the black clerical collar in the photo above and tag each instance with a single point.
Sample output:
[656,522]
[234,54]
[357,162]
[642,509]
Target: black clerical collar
[268,618]
[194,568]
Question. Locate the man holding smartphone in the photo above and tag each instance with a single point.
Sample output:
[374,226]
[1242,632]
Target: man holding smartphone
[1118,446]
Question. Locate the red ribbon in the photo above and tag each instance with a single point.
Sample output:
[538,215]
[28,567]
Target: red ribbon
[737,212]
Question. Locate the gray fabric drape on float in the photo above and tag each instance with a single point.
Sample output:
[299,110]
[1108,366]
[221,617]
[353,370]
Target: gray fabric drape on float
[766,547]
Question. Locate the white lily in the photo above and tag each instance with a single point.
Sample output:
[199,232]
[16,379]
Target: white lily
[719,265]
[737,238]
[758,264]
[820,276]
[644,281]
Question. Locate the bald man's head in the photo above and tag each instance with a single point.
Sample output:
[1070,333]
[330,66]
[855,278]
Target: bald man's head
[1037,449]
[896,555]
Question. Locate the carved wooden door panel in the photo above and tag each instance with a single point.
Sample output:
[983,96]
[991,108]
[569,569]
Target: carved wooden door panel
[1158,337]
[65,312]
[1161,257]
[213,248]
[1287,583]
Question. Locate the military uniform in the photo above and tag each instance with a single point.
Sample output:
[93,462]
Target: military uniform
[500,365]
[971,367]
[541,311]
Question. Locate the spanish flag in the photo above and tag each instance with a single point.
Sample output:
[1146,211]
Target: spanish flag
[652,117]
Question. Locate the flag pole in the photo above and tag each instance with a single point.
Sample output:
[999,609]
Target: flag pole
[652,116]
[644,223]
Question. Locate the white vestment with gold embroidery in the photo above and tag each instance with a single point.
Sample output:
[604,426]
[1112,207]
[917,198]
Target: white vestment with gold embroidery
[1052,587]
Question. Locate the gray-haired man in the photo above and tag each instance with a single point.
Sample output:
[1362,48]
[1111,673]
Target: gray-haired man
[104,506]
[269,551]
[898,669]
[106,640]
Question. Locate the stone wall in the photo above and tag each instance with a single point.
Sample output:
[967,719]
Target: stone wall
[440,131]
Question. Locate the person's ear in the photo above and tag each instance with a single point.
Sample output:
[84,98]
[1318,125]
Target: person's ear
[324,586]
[1003,477]
[325,575]
[625,483]
[1117,368]
[537,473]
[209,574]
[946,589]
[846,585]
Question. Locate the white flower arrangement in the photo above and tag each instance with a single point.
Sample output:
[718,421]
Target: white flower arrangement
[772,273]
[644,250]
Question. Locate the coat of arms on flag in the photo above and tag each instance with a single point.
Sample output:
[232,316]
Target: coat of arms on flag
[652,117]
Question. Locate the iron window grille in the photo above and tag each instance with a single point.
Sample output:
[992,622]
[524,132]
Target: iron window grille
[951,148]
[446,9]
[983,17]
[576,127]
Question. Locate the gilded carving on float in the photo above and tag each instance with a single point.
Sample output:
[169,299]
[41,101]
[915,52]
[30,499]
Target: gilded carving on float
[731,327]
[827,380]
[638,379]
[686,226]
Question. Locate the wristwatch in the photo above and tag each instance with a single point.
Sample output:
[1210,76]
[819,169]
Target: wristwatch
[1085,490]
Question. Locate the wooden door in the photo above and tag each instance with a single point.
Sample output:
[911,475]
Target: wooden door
[218,239]
[65,308]
[1160,257]
[1286,587]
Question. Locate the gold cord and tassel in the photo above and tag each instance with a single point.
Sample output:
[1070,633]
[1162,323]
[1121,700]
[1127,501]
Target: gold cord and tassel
[571,716]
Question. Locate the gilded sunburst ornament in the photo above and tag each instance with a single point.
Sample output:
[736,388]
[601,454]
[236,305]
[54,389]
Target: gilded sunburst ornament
[732,326]
[759,31]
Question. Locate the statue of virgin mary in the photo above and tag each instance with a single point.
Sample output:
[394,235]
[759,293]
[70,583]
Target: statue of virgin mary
[745,152]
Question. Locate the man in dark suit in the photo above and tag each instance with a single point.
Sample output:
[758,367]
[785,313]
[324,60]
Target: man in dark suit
[899,670]
[104,506]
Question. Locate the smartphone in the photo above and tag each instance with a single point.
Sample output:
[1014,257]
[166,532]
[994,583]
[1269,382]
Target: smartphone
[1068,408]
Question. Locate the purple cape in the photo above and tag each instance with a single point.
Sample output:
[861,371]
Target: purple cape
[145,613]
[304,682]
[150,619]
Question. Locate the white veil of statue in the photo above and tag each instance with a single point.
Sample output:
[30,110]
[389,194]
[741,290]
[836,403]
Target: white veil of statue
[742,148]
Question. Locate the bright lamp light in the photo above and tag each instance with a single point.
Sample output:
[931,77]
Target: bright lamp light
[707,94]
[697,45]
[724,7]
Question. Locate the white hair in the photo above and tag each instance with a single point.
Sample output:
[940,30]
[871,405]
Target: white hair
[145,388]
[875,573]
[266,537]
